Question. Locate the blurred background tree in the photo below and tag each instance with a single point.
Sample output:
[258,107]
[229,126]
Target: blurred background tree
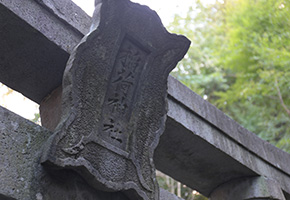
[239,61]
[177,188]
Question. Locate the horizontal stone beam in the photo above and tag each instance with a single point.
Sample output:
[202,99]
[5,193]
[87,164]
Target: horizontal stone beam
[201,146]
[36,39]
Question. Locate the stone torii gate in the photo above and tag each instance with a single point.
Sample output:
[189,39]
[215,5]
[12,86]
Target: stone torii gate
[200,147]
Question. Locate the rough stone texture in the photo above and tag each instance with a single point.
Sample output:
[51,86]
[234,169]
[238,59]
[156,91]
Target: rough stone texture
[20,142]
[23,178]
[194,159]
[114,100]
[189,153]
[68,12]
[189,158]
[248,188]
[29,62]
[183,148]
[199,150]
[229,127]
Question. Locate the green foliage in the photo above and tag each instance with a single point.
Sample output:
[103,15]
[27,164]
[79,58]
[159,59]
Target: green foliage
[257,50]
[239,59]
[202,25]
[177,188]
[36,118]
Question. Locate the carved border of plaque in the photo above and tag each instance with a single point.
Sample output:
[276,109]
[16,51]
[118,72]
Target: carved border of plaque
[114,100]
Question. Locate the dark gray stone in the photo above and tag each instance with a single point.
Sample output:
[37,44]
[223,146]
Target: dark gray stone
[187,157]
[21,175]
[29,62]
[114,100]
[68,13]
[203,154]
[20,143]
[198,138]
[23,178]
[253,188]
[230,128]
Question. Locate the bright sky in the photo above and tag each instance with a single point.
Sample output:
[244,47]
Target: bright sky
[165,9]
[17,103]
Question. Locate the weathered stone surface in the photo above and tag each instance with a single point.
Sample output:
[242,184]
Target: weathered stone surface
[230,128]
[26,62]
[20,144]
[203,154]
[68,12]
[23,178]
[183,148]
[21,175]
[114,100]
[189,158]
[248,188]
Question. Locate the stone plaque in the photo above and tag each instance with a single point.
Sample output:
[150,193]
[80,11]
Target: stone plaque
[114,100]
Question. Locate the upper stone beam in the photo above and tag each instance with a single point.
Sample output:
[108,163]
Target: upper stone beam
[36,40]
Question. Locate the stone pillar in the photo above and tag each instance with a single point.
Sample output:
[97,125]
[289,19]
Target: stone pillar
[252,188]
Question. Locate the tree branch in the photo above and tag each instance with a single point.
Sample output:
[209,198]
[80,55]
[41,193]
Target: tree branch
[281,98]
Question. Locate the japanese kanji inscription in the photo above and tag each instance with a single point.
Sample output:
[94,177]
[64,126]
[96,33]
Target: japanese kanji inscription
[114,100]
